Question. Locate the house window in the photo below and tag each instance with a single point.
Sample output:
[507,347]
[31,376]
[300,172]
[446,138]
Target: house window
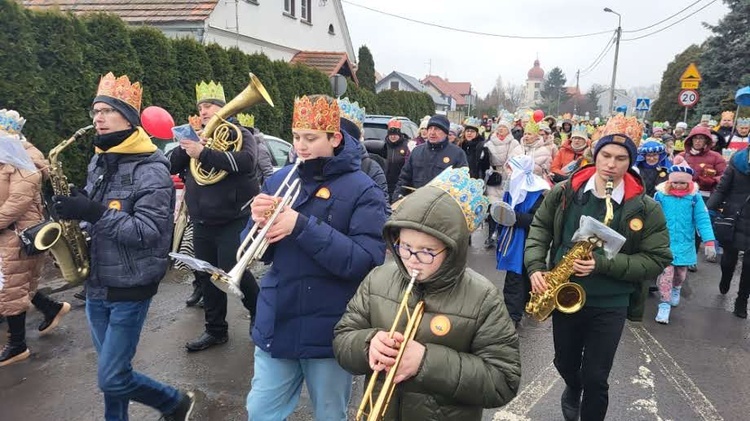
[330,30]
[305,10]
[394,85]
[289,7]
[536,96]
[537,85]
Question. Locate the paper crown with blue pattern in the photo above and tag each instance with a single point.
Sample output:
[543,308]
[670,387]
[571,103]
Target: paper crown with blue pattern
[651,146]
[352,112]
[467,192]
[579,130]
[11,122]
[744,122]
[472,122]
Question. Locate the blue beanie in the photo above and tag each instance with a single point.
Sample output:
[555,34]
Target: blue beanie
[619,140]
[441,122]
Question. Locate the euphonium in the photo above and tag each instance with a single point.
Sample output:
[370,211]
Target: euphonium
[64,239]
[218,130]
[374,407]
[561,294]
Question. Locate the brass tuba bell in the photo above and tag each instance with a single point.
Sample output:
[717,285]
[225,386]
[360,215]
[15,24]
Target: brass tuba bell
[218,130]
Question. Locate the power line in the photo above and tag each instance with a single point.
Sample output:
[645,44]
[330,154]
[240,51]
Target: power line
[466,31]
[601,55]
[670,25]
[665,19]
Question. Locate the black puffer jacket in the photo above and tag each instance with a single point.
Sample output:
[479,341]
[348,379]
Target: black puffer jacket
[396,155]
[477,156]
[731,197]
[221,202]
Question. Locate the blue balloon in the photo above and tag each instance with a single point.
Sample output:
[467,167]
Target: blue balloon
[742,97]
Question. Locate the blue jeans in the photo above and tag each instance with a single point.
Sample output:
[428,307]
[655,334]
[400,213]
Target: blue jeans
[115,329]
[277,384]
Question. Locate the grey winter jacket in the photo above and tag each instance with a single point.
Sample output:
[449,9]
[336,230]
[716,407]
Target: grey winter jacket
[129,244]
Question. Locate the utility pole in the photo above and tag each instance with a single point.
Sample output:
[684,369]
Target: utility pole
[617,53]
[577,93]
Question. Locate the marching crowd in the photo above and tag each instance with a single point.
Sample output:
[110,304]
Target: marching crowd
[324,310]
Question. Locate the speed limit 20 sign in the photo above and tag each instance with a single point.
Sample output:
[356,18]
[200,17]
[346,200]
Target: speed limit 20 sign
[688,97]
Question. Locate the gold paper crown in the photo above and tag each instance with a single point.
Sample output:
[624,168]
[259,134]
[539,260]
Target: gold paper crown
[247,120]
[727,114]
[209,91]
[629,126]
[466,191]
[195,122]
[531,127]
[320,116]
[121,88]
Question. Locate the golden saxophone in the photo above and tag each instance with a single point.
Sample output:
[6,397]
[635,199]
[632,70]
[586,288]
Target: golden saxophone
[561,294]
[64,239]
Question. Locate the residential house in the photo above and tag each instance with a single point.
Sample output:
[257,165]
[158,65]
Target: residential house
[461,96]
[280,29]
[397,81]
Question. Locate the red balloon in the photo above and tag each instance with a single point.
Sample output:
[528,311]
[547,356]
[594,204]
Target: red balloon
[157,122]
[538,115]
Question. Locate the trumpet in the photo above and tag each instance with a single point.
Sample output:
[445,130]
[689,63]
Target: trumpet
[256,244]
[373,408]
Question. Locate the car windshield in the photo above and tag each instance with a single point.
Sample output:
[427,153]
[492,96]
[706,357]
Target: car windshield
[375,132]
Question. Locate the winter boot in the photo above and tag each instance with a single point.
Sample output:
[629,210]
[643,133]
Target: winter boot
[663,315]
[52,320]
[724,284]
[13,352]
[740,307]
[675,298]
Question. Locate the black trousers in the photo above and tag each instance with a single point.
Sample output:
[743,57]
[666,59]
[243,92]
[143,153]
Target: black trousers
[729,262]
[218,244]
[585,347]
[516,291]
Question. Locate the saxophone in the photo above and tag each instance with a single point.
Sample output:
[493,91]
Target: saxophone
[561,294]
[64,238]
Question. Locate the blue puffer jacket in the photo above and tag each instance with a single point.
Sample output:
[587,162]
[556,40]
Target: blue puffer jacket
[318,267]
[130,243]
[425,162]
[684,216]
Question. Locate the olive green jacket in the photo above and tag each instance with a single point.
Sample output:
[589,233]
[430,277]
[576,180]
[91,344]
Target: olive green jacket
[472,359]
[642,258]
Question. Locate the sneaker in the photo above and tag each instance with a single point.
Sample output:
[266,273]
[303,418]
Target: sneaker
[489,243]
[81,295]
[205,341]
[50,323]
[663,315]
[13,353]
[184,408]
[693,268]
[674,300]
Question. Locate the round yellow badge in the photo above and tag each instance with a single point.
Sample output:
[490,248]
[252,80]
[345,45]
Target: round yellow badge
[323,193]
[440,325]
[662,174]
[636,224]
[446,160]
[403,152]
[115,204]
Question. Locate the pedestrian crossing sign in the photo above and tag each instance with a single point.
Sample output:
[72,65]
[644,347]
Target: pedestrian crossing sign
[643,104]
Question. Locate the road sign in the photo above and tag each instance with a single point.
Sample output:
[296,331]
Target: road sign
[643,104]
[691,74]
[689,84]
[688,97]
[338,85]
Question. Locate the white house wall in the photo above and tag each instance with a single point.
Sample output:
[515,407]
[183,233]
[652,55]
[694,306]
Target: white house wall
[265,28]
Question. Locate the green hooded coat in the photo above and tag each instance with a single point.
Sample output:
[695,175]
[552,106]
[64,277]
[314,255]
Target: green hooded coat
[474,362]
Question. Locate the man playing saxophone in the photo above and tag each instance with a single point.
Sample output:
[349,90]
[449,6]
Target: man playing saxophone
[586,341]
[127,207]
[216,211]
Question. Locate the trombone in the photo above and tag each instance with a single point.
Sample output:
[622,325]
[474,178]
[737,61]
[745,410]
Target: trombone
[372,407]
[254,245]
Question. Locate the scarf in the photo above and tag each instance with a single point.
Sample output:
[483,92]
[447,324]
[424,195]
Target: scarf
[110,140]
[523,180]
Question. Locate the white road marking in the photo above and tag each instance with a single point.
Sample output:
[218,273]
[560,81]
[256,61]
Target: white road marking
[675,374]
[517,409]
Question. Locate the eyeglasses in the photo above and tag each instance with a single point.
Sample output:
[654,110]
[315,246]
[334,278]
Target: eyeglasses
[104,112]
[423,256]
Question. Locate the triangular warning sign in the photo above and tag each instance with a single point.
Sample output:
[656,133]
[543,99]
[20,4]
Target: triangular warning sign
[691,74]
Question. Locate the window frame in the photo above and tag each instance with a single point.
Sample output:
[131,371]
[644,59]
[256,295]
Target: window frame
[305,11]
[289,8]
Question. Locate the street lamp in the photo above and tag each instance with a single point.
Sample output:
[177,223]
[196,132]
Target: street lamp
[617,53]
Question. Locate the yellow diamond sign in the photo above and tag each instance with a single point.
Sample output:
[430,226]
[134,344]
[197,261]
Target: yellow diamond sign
[691,74]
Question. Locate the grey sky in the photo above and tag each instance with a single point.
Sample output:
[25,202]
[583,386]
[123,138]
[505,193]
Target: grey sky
[408,47]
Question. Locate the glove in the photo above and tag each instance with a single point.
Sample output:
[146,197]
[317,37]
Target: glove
[706,181]
[503,214]
[78,207]
[709,250]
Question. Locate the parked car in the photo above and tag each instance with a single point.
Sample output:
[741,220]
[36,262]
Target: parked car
[376,127]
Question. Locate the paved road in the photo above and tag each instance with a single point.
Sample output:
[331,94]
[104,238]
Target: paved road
[693,369]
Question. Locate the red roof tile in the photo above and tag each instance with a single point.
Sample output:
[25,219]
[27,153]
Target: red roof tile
[135,11]
[328,62]
[457,90]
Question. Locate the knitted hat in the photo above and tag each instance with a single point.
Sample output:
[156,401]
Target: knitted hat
[619,140]
[681,173]
[439,121]
[682,125]
[454,129]
[423,123]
